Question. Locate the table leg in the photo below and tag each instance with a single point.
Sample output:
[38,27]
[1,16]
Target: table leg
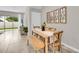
[46,45]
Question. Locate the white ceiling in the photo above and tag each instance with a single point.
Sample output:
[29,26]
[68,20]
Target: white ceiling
[14,10]
[18,9]
[36,7]
[5,13]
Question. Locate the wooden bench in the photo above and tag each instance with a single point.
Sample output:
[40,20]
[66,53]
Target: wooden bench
[36,43]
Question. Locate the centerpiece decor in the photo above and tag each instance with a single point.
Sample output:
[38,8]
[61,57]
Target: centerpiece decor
[43,26]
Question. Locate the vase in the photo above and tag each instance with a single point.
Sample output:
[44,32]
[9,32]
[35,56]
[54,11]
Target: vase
[43,28]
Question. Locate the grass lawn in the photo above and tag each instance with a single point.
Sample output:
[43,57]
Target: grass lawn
[7,28]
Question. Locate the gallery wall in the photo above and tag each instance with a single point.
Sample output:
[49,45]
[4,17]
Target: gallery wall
[71,28]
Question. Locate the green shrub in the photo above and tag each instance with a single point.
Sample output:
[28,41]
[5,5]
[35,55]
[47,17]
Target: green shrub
[10,19]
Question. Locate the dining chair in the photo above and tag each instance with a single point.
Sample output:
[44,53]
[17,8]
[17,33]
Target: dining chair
[36,43]
[36,26]
[56,44]
[50,29]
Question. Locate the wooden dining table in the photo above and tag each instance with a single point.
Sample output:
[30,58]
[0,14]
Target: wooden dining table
[46,35]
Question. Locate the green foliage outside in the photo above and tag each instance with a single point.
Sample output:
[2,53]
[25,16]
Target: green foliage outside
[11,19]
[7,28]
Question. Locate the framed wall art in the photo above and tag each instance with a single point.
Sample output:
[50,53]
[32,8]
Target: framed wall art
[63,15]
[50,17]
[57,16]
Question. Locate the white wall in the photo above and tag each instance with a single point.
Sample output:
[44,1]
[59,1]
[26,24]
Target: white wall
[35,19]
[71,29]
[26,14]
[34,14]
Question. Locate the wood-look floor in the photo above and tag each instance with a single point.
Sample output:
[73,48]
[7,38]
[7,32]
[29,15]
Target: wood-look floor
[12,42]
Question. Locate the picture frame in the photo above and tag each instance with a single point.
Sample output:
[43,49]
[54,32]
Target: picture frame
[50,17]
[63,15]
[56,16]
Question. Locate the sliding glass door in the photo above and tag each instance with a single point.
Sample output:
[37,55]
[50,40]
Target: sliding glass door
[2,24]
[8,23]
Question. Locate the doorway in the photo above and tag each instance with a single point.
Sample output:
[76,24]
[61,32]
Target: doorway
[35,19]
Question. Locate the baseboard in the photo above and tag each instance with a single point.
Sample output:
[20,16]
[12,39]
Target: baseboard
[74,49]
